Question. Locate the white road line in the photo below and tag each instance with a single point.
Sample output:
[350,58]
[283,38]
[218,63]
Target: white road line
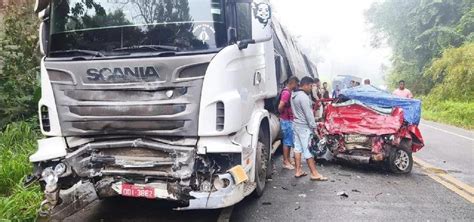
[448,132]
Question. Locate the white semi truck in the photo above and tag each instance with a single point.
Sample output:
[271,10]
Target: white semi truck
[159,99]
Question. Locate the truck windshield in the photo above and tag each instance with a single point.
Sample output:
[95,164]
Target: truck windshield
[111,27]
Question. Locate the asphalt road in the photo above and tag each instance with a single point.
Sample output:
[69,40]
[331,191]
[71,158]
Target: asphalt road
[449,148]
[372,193]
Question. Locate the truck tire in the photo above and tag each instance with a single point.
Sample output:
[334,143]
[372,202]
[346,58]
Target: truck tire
[260,169]
[400,161]
[269,163]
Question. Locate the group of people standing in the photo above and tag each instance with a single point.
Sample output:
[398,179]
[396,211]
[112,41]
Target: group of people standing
[298,124]
[299,107]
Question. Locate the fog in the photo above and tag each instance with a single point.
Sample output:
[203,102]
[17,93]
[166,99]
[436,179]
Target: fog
[335,34]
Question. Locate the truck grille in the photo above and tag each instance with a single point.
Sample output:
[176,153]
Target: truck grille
[168,106]
[106,112]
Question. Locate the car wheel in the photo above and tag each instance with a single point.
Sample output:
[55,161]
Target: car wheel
[400,161]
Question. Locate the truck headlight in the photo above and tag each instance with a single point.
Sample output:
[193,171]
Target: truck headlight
[60,169]
[49,176]
[220,183]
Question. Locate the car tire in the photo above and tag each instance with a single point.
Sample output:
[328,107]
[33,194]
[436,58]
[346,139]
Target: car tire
[400,161]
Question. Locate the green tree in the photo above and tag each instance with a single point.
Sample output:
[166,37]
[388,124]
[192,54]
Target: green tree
[418,31]
[455,73]
[19,88]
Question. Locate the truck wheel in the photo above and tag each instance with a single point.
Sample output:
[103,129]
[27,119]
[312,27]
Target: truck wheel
[400,161]
[260,169]
[269,170]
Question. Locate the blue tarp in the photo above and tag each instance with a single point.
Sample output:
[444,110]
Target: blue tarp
[371,95]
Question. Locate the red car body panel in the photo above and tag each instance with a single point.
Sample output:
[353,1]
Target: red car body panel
[359,119]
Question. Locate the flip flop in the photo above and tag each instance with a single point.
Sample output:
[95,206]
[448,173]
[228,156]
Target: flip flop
[289,167]
[318,178]
[301,175]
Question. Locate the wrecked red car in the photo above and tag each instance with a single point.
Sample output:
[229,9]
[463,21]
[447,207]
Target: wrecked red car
[360,133]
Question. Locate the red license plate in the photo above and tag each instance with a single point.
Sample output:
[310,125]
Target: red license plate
[131,190]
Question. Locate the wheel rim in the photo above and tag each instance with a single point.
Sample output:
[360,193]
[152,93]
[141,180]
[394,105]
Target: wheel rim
[402,160]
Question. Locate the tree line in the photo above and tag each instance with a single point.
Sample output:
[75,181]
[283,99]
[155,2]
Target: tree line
[432,43]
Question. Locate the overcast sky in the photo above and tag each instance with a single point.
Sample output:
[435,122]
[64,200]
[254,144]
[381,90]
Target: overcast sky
[336,35]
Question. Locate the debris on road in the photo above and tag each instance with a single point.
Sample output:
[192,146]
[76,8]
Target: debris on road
[284,188]
[266,203]
[302,195]
[355,191]
[377,195]
[297,208]
[342,194]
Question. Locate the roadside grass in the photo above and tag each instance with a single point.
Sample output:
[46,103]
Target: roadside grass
[459,114]
[17,142]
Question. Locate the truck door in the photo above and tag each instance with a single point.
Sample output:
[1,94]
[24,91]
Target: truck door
[242,75]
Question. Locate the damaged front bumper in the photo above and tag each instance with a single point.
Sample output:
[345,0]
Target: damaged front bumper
[224,197]
[82,194]
[142,168]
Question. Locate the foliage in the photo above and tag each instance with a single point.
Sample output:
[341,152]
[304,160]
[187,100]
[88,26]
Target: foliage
[418,31]
[17,142]
[454,72]
[22,205]
[450,112]
[19,89]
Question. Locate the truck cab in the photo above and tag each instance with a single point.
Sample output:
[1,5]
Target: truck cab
[155,99]
[160,100]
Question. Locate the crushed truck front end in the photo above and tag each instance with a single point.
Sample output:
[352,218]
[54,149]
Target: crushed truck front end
[158,105]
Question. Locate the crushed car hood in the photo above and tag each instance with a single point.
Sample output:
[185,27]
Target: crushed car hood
[353,117]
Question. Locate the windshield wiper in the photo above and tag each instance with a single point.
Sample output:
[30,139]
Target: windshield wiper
[158,48]
[79,51]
